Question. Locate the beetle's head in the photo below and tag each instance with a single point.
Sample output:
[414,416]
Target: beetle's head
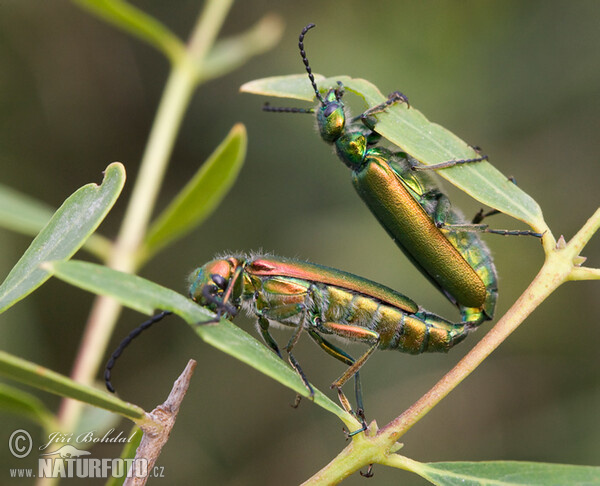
[331,118]
[215,285]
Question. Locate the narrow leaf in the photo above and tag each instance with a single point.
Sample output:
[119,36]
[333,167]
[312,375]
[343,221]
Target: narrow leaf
[145,296]
[505,473]
[427,142]
[44,379]
[22,213]
[229,54]
[18,402]
[136,22]
[201,196]
[26,215]
[128,452]
[96,419]
[65,233]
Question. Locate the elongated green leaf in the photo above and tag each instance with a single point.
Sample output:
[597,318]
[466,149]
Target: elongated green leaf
[39,377]
[145,296]
[136,22]
[506,473]
[229,54]
[23,214]
[96,419]
[427,142]
[201,196]
[69,228]
[128,452]
[18,402]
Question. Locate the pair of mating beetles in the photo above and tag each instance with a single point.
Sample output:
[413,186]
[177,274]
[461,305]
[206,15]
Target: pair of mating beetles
[324,302]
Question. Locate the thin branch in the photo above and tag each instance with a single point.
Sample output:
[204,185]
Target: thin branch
[157,427]
[180,86]
[560,266]
[585,273]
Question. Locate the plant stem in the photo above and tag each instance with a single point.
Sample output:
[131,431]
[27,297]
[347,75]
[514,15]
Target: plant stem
[180,86]
[548,279]
[557,269]
[105,310]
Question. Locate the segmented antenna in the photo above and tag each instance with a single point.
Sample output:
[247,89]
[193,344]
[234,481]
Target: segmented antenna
[279,109]
[305,60]
[132,335]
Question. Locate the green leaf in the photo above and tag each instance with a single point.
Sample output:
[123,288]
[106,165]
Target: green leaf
[96,419]
[23,214]
[145,296]
[128,452]
[136,22]
[44,379]
[505,473]
[427,142]
[18,402]
[69,228]
[229,54]
[201,196]
[294,86]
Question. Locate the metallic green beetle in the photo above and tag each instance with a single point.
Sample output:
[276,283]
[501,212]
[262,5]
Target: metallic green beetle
[409,205]
[321,301]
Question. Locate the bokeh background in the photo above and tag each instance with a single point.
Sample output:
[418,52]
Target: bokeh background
[520,79]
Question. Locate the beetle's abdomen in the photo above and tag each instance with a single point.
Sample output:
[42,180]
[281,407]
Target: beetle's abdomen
[409,333]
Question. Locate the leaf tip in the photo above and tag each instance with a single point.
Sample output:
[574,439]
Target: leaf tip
[116,167]
[238,130]
[248,87]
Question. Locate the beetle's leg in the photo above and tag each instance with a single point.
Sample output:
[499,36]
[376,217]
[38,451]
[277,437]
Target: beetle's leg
[342,356]
[296,335]
[484,228]
[392,99]
[263,312]
[302,376]
[294,339]
[449,163]
[294,362]
[369,473]
[345,358]
[367,116]
[442,209]
[354,333]
[480,216]
[263,327]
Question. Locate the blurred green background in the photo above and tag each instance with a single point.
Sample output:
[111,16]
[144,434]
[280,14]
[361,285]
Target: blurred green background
[519,79]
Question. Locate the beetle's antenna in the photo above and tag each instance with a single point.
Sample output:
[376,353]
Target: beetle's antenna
[305,60]
[132,335]
[278,109]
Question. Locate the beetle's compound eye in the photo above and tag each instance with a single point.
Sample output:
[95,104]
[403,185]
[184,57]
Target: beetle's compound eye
[331,107]
[219,280]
